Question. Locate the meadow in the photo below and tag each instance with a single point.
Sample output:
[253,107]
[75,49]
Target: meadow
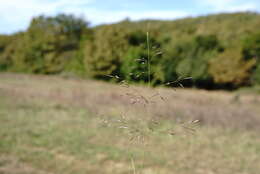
[65,125]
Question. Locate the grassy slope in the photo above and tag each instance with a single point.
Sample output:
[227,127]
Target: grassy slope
[54,125]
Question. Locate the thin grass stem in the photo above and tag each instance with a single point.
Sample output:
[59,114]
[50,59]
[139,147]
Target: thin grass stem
[133,165]
[148,57]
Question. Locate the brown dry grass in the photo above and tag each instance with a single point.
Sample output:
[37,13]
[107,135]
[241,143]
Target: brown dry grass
[219,108]
[54,125]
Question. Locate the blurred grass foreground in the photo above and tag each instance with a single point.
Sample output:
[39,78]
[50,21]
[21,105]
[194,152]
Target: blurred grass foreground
[53,125]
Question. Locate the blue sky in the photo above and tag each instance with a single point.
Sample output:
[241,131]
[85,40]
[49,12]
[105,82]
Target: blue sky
[15,15]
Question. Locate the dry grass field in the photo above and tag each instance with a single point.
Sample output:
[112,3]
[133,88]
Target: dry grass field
[57,125]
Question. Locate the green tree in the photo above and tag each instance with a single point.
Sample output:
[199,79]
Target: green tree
[4,61]
[256,75]
[194,56]
[136,66]
[104,53]
[251,50]
[230,68]
[49,43]
[8,46]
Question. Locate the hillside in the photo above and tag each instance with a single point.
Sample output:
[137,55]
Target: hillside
[217,51]
[54,124]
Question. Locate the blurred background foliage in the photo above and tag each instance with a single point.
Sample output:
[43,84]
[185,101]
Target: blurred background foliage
[217,51]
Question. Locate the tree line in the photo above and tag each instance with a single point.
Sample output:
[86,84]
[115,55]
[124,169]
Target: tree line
[217,51]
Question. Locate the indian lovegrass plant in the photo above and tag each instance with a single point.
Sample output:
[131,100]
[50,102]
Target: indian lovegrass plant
[139,131]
